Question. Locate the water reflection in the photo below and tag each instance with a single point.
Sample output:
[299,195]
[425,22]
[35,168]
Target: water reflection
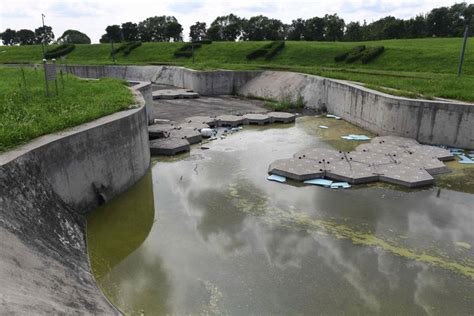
[227,241]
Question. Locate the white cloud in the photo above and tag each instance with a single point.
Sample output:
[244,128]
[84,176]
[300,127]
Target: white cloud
[92,17]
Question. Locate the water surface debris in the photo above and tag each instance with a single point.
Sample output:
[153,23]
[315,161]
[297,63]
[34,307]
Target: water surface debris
[276,178]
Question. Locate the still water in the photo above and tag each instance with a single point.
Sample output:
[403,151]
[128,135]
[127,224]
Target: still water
[206,234]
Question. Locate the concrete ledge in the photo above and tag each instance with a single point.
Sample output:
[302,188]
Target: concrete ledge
[45,187]
[428,121]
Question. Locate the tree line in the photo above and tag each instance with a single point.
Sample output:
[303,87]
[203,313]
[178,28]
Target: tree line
[42,35]
[439,22]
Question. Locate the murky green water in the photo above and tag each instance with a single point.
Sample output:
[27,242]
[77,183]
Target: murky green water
[222,240]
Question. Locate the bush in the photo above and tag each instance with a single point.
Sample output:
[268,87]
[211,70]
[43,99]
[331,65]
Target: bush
[268,50]
[187,49]
[371,54]
[61,50]
[275,49]
[355,53]
[126,48]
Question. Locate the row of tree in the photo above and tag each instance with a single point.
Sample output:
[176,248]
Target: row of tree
[42,35]
[439,22]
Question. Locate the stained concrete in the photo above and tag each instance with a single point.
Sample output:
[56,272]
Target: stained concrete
[174,94]
[169,146]
[46,186]
[389,159]
[427,121]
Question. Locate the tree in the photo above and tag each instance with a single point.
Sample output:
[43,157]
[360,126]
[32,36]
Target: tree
[114,33]
[296,30]
[334,27]
[314,29]
[275,30]
[353,32]
[173,31]
[225,28]
[25,37]
[74,37]
[197,32]
[160,29]
[44,35]
[416,27]
[9,37]
[130,31]
[439,22]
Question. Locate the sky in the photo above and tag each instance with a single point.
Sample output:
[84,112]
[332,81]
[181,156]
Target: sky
[93,16]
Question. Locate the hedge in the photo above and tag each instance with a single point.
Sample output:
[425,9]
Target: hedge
[371,54]
[61,50]
[353,53]
[268,51]
[187,49]
[126,48]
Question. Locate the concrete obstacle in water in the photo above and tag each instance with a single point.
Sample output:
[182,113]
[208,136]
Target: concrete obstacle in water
[171,138]
[389,159]
[174,94]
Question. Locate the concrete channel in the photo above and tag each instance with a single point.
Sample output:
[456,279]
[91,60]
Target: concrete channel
[49,184]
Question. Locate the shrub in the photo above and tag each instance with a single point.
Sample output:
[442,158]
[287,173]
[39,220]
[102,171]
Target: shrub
[355,53]
[341,57]
[275,49]
[187,49]
[371,54]
[186,54]
[268,50]
[61,50]
[126,48]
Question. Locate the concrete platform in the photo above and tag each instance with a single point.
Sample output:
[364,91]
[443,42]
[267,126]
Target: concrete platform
[160,130]
[231,120]
[169,146]
[200,121]
[282,117]
[174,94]
[257,119]
[193,136]
[389,159]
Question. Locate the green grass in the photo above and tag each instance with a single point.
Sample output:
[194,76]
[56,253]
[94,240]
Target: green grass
[27,113]
[418,67]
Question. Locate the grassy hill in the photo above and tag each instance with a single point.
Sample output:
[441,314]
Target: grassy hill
[416,68]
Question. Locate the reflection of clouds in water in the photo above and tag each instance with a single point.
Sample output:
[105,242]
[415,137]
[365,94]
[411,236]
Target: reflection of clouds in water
[333,256]
[426,282]
[448,222]
[388,268]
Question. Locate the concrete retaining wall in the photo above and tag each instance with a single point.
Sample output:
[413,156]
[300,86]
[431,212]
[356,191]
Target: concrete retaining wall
[45,187]
[428,121]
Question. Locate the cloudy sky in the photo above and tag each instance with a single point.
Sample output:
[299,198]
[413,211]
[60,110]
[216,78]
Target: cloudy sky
[92,16]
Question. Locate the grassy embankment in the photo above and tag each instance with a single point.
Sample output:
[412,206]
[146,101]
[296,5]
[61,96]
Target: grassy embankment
[26,112]
[414,68]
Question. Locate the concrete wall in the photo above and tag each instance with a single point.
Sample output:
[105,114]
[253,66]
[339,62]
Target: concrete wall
[45,187]
[428,121]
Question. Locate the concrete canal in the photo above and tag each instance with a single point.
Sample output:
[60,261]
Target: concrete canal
[206,233]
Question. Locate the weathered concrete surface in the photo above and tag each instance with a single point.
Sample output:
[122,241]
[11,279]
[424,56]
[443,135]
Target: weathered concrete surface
[174,94]
[45,187]
[427,121]
[387,158]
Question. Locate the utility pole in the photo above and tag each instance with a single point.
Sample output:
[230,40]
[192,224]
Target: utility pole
[461,58]
[44,33]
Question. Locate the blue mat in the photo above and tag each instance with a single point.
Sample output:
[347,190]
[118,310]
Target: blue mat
[321,182]
[464,159]
[343,185]
[276,178]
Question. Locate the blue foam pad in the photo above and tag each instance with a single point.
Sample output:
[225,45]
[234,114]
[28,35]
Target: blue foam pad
[276,178]
[465,160]
[321,182]
[343,185]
